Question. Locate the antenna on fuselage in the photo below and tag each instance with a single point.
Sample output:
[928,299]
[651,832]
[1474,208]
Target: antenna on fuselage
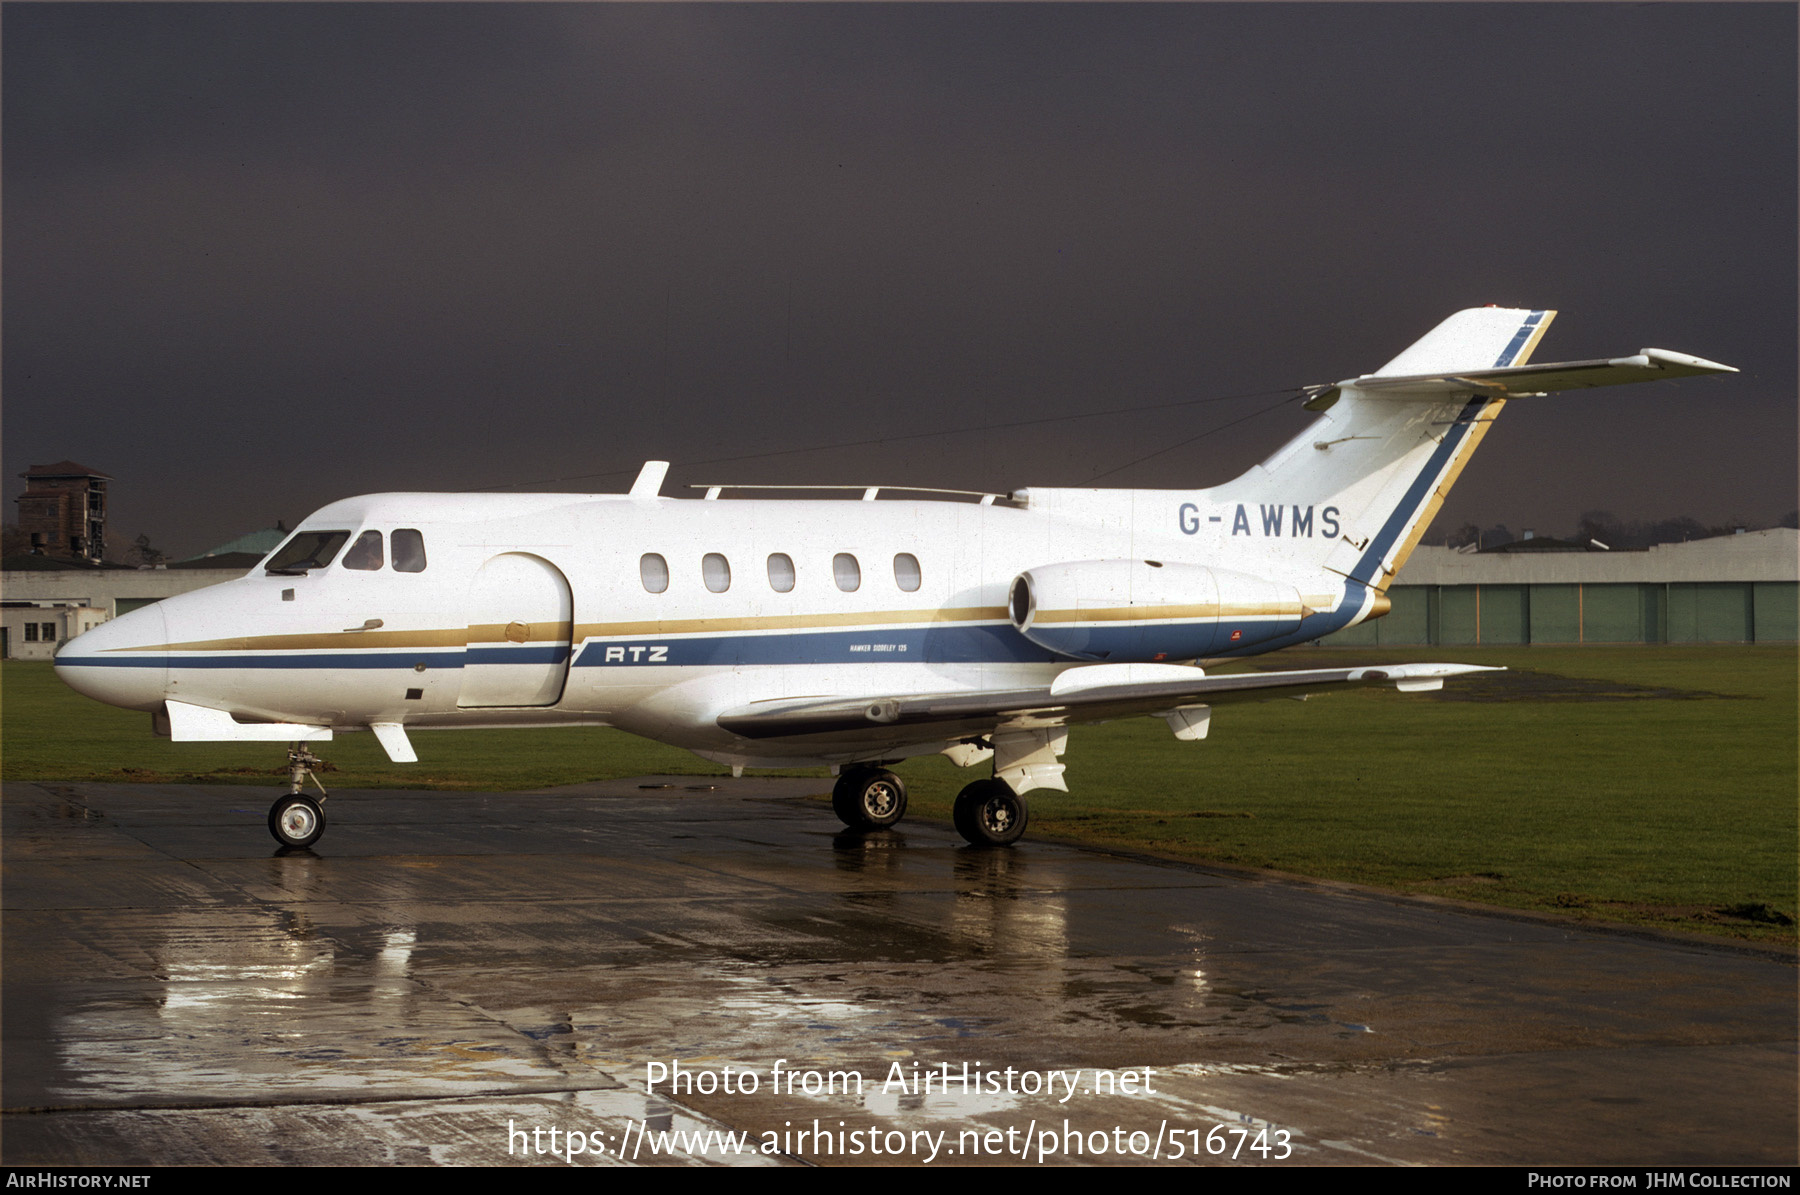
[649,480]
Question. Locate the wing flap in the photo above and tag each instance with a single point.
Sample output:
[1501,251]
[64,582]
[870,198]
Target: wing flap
[966,711]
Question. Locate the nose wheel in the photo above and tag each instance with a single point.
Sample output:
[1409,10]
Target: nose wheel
[296,819]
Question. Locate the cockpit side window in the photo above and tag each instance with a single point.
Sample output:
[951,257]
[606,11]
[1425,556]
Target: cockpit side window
[306,550]
[409,550]
[365,554]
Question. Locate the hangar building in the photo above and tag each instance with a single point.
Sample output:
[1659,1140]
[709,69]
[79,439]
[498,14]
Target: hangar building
[1742,588]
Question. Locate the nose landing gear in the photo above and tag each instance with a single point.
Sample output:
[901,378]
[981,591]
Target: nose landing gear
[296,820]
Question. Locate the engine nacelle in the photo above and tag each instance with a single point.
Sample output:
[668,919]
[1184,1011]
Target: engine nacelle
[1132,611]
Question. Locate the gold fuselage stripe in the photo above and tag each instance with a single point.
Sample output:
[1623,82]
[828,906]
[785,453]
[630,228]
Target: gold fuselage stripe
[1163,613]
[561,632]
[496,632]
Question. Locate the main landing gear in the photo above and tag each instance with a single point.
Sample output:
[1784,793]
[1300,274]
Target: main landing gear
[868,798]
[987,812]
[990,813]
[296,819]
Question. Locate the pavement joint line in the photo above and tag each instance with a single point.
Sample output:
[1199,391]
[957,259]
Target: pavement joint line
[304,1102]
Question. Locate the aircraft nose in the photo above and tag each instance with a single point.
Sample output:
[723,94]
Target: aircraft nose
[103,663]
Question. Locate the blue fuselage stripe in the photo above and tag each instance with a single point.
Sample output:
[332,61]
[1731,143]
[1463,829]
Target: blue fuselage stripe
[405,660]
[942,644]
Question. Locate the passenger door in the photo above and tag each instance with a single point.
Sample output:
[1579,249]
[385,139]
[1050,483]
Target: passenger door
[521,616]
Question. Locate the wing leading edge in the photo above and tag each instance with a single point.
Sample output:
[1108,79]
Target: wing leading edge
[1079,695]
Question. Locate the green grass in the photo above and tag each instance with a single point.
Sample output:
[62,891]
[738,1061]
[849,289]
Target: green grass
[1655,785]
[49,732]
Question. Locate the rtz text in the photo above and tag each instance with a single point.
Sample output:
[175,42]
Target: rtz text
[637,653]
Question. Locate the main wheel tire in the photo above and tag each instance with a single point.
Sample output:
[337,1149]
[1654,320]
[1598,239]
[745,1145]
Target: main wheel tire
[296,820]
[990,813]
[869,798]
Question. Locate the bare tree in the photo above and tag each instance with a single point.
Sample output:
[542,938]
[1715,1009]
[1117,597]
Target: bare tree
[142,554]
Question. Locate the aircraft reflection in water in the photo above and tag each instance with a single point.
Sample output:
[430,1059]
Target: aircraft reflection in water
[765,633]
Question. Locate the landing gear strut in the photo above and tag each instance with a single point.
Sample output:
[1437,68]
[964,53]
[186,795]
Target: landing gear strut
[868,798]
[990,813]
[296,819]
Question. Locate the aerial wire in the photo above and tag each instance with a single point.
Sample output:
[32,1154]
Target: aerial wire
[1290,394]
[1209,431]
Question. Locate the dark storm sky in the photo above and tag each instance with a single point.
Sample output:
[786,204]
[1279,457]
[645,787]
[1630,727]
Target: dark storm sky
[258,257]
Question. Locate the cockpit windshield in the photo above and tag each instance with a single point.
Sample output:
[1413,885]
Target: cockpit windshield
[307,550]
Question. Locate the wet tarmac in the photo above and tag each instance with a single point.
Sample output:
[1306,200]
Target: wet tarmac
[448,977]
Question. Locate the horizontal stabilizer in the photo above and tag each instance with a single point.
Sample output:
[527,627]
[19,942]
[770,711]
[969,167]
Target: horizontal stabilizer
[981,712]
[1650,365]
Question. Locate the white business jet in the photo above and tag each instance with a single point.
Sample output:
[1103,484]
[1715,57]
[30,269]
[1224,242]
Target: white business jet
[759,632]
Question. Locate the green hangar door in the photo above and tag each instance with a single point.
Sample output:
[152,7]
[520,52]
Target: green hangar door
[521,616]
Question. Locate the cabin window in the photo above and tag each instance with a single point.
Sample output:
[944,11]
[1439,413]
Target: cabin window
[409,550]
[715,570]
[906,572]
[846,572]
[307,550]
[655,572]
[781,572]
[365,554]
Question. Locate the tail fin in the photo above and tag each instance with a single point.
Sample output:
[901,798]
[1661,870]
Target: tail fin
[1476,339]
[1376,465]
[1352,494]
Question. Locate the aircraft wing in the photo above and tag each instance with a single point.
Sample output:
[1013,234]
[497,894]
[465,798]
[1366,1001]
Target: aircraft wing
[1094,693]
[1649,365]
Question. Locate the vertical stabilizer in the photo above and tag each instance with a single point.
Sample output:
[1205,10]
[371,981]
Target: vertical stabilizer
[1382,464]
[1479,338]
[1465,341]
